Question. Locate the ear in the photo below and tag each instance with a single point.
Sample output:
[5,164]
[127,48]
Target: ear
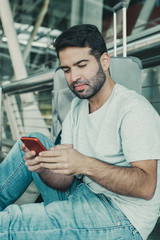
[105,61]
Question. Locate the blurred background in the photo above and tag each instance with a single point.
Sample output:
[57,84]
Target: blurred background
[28,60]
[27,31]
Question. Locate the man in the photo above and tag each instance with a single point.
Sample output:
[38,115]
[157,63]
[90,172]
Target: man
[103,182]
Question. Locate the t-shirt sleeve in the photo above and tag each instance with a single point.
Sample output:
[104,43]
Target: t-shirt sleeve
[140,133]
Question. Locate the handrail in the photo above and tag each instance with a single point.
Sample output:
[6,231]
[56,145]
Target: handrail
[32,83]
[35,82]
[134,42]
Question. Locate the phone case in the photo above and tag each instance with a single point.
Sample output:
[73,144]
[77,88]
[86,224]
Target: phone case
[33,144]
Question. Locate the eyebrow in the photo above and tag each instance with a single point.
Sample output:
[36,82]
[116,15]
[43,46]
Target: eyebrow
[62,67]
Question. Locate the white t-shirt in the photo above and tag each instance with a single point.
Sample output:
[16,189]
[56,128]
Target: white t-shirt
[125,129]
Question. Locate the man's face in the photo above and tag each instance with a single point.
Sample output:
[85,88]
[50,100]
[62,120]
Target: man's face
[84,75]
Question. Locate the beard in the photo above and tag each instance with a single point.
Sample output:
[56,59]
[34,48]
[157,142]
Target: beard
[94,84]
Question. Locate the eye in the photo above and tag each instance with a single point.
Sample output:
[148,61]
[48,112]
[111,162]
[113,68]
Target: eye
[82,65]
[66,70]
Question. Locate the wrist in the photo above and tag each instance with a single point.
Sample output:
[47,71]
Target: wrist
[87,166]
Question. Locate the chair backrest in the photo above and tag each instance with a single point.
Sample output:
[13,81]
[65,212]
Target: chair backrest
[126,71]
[61,101]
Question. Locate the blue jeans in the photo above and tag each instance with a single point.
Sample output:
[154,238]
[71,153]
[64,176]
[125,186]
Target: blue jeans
[78,214]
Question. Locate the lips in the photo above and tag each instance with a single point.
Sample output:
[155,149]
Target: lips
[79,87]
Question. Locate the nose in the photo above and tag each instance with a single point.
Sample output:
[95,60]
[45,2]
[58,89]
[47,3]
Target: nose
[75,75]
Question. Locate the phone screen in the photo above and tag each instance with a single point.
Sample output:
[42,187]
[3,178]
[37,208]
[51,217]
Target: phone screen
[33,143]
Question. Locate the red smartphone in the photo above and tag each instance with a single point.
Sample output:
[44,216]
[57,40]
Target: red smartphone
[33,143]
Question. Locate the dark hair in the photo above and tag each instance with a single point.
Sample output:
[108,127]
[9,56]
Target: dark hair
[85,35]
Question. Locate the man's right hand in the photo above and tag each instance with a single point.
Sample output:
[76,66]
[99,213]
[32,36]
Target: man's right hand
[30,161]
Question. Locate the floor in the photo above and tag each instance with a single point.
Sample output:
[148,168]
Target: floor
[155,235]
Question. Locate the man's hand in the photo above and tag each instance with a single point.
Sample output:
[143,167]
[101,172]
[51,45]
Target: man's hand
[30,161]
[57,181]
[62,159]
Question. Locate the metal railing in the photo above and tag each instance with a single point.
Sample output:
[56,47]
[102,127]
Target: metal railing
[41,85]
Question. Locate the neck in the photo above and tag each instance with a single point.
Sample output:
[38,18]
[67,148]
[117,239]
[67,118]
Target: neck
[102,96]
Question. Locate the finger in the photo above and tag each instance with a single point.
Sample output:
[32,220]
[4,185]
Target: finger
[54,166]
[23,148]
[62,146]
[49,160]
[29,155]
[32,162]
[35,168]
[51,166]
[55,153]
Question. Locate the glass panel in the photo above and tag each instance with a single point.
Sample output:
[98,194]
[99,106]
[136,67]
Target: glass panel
[141,15]
[151,86]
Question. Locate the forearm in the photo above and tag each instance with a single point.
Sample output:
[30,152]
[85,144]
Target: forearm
[57,181]
[128,181]
[139,180]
